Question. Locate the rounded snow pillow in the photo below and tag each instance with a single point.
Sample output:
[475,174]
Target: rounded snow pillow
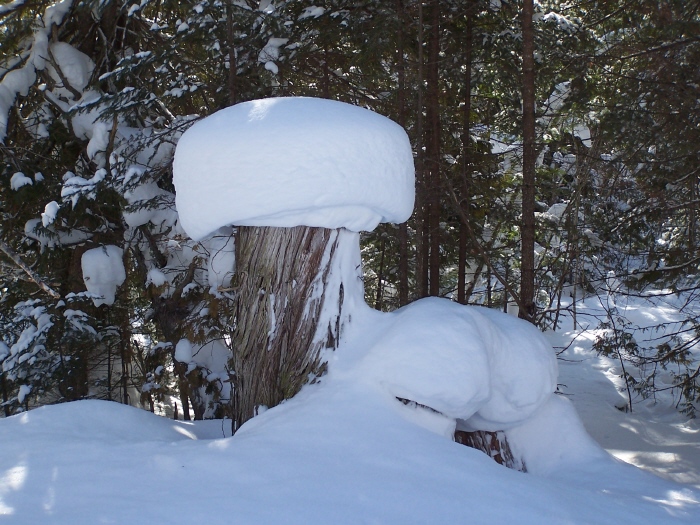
[466,362]
[293,161]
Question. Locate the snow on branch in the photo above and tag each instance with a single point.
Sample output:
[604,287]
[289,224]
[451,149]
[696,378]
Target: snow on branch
[18,81]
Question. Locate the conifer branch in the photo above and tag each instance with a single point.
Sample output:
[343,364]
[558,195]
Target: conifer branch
[32,275]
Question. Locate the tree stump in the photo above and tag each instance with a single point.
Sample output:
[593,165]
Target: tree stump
[292,286]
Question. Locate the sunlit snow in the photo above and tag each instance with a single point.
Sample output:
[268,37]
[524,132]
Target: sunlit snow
[344,451]
[293,161]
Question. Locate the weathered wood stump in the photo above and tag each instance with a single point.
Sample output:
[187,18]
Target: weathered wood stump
[291,289]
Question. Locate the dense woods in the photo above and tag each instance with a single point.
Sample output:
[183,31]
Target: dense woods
[555,145]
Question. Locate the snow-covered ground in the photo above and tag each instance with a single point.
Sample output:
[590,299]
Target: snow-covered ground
[345,451]
[654,436]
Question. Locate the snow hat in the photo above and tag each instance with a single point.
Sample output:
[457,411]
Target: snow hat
[293,161]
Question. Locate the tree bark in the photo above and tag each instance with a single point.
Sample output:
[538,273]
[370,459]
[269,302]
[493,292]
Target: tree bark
[379,297]
[493,444]
[466,157]
[527,232]
[294,287]
[462,266]
[433,148]
[3,391]
[403,227]
[184,389]
[232,70]
[422,189]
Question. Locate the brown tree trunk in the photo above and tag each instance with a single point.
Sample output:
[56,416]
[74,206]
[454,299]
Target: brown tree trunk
[433,147]
[293,287]
[3,391]
[403,264]
[494,444]
[527,233]
[403,227]
[462,266]
[466,158]
[422,187]
[232,70]
[692,216]
[184,388]
[379,297]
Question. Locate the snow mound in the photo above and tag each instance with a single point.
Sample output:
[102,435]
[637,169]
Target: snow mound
[554,439]
[468,363]
[92,420]
[293,161]
[335,453]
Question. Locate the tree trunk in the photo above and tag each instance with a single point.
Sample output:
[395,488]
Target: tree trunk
[466,158]
[692,216]
[379,297]
[232,70]
[3,391]
[494,444]
[433,148]
[403,227]
[184,389]
[295,291]
[527,282]
[422,189]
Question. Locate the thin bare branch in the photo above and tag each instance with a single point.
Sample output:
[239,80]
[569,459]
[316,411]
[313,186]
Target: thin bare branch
[32,275]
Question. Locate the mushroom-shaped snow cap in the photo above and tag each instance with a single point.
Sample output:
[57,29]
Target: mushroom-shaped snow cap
[293,161]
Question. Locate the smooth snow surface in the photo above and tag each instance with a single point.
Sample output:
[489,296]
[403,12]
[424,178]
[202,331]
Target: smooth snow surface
[290,162]
[336,454]
[465,362]
[103,273]
[343,451]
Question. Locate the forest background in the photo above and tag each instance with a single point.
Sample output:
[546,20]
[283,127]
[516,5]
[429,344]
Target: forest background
[95,94]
